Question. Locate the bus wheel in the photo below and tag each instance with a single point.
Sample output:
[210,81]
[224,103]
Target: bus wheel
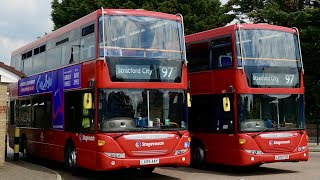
[147,170]
[70,158]
[198,156]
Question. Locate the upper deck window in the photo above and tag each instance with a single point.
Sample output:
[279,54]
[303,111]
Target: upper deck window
[221,52]
[88,30]
[24,56]
[198,55]
[36,51]
[29,54]
[268,48]
[42,48]
[211,54]
[62,41]
[138,36]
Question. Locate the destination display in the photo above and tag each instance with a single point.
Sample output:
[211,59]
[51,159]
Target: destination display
[146,72]
[275,79]
[141,70]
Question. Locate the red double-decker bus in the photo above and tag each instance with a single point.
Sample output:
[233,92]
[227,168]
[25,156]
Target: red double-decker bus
[105,92]
[247,95]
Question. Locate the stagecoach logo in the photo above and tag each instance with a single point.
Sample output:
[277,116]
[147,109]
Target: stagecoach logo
[272,142]
[148,144]
[138,144]
[83,137]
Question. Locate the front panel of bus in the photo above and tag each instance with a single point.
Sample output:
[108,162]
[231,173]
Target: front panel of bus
[141,91]
[270,95]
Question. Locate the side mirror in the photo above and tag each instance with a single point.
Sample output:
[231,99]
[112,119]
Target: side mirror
[188,100]
[87,101]
[226,104]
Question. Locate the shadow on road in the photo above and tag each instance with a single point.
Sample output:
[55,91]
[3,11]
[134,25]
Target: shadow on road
[137,174]
[234,171]
[131,174]
[85,174]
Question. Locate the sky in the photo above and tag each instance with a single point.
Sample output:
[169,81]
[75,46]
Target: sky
[22,21]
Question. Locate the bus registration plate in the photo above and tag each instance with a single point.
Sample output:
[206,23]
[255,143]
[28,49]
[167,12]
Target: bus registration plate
[281,157]
[149,161]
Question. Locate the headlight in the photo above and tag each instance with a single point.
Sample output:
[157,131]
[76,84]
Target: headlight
[254,152]
[115,155]
[182,151]
[302,148]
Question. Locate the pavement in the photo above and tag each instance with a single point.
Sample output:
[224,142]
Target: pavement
[314,147]
[16,170]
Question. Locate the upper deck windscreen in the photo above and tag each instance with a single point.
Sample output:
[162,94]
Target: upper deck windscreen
[139,36]
[270,58]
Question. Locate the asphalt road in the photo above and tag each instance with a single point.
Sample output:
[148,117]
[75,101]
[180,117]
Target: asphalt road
[302,170]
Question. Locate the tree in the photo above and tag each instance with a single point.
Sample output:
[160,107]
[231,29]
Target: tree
[199,15]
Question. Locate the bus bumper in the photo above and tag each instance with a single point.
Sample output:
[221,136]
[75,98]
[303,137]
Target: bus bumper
[251,159]
[105,163]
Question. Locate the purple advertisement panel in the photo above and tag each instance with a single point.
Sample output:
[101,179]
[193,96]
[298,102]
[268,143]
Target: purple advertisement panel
[35,84]
[41,83]
[71,77]
[56,82]
[58,100]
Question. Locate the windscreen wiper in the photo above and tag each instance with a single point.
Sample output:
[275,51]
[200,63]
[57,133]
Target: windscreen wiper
[119,135]
[172,129]
[259,132]
[177,132]
[125,133]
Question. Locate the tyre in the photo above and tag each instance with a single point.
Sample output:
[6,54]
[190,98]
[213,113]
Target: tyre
[147,170]
[198,156]
[70,158]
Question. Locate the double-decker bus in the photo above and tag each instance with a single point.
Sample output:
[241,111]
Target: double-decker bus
[247,95]
[105,92]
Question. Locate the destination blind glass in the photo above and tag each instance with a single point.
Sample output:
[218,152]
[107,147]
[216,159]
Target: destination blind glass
[275,79]
[142,70]
[272,77]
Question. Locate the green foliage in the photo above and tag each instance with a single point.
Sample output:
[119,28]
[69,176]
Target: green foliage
[199,15]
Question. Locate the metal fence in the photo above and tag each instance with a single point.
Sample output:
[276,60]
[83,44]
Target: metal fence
[313,133]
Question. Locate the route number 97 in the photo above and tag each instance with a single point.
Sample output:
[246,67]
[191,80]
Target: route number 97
[166,71]
[289,78]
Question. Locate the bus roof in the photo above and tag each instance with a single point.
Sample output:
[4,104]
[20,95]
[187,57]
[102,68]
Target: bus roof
[89,18]
[230,29]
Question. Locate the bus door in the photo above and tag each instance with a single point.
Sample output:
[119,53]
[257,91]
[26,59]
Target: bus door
[223,133]
[80,120]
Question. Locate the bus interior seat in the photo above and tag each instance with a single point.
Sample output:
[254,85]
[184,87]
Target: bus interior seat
[113,51]
[225,61]
[133,53]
